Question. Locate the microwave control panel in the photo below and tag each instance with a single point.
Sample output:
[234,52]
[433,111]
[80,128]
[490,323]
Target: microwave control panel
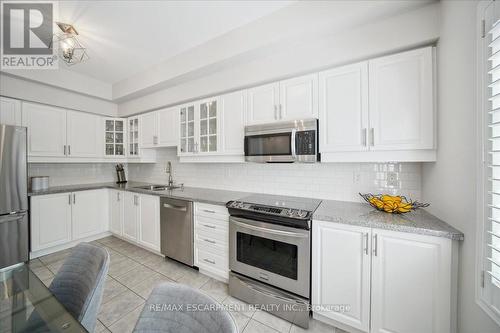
[305,143]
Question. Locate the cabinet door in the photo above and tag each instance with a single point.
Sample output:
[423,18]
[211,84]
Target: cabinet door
[46,129]
[233,118]
[299,98]
[410,283]
[401,101]
[208,125]
[341,272]
[148,133]
[149,234]
[133,137]
[168,127]
[188,131]
[131,203]
[263,103]
[84,134]
[89,213]
[114,134]
[343,109]
[50,220]
[116,205]
[10,111]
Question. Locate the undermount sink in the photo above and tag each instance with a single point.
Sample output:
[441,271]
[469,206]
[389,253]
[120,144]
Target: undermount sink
[157,187]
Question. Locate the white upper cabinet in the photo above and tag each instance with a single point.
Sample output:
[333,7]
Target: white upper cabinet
[206,141]
[133,137]
[46,130]
[341,261]
[411,283]
[10,111]
[84,135]
[233,118]
[401,101]
[187,130]
[114,136]
[148,129]
[343,106]
[168,135]
[299,98]
[263,103]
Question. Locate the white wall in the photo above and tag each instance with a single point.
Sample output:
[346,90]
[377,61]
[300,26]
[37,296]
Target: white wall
[295,56]
[339,181]
[28,90]
[73,173]
[449,184]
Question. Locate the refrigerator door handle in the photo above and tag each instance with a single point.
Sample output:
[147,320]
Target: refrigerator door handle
[12,217]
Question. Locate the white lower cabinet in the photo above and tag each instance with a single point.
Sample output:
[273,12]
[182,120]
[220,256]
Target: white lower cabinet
[116,213]
[390,281]
[131,216]
[211,240]
[149,221]
[57,219]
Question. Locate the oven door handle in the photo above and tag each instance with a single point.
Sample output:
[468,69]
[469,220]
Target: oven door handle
[268,293]
[292,143]
[271,231]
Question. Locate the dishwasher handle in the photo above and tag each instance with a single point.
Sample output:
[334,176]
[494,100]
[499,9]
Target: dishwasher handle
[175,207]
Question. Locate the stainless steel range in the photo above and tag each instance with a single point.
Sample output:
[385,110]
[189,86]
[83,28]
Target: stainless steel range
[270,254]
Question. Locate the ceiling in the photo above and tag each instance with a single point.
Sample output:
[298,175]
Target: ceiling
[124,38]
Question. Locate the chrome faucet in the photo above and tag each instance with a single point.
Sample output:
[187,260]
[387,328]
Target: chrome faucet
[169,171]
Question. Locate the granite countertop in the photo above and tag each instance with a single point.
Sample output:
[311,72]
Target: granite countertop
[362,214]
[205,195]
[353,213]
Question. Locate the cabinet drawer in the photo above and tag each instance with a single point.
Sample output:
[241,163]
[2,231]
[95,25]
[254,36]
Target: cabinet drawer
[212,260]
[212,211]
[212,224]
[207,230]
[208,241]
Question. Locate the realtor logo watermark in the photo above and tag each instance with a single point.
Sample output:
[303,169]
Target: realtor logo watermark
[27,32]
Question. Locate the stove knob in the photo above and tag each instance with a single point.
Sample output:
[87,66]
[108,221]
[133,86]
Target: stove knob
[289,212]
[301,213]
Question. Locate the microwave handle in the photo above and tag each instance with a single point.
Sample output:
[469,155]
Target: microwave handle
[292,143]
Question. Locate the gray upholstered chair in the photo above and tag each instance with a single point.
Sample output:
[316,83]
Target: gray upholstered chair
[176,308]
[79,283]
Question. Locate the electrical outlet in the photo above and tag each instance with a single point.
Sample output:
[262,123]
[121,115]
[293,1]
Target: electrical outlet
[392,179]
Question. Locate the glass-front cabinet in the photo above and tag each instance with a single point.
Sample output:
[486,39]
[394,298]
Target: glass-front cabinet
[199,127]
[133,137]
[114,137]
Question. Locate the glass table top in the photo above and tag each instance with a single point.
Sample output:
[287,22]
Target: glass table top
[27,305]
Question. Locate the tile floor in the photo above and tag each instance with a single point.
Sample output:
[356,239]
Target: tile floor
[133,273]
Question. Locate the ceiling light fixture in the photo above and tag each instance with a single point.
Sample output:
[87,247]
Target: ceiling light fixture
[70,48]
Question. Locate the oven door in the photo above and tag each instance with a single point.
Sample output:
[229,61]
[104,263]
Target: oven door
[273,254]
[270,146]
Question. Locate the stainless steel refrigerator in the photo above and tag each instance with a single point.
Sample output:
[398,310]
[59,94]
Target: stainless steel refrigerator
[14,237]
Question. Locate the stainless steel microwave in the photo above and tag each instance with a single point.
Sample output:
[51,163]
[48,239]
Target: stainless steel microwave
[282,142]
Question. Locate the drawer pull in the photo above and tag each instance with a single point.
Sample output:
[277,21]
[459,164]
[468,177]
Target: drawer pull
[209,211]
[209,261]
[210,241]
[210,226]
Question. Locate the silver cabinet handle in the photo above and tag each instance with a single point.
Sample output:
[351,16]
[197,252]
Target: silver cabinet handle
[118,196]
[209,211]
[210,241]
[155,139]
[69,199]
[275,112]
[365,236]
[135,200]
[69,149]
[364,136]
[209,261]
[375,245]
[280,114]
[74,198]
[372,136]
[210,226]
[64,150]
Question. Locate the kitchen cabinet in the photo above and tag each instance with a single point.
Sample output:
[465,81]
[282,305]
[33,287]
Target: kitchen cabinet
[233,121]
[168,134]
[10,111]
[116,212]
[148,130]
[401,98]
[341,261]
[133,136]
[299,98]
[114,136]
[393,281]
[187,129]
[211,240]
[89,213]
[46,130]
[84,135]
[263,104]
[343,105]
[131,216]
[50,220]
[149,221]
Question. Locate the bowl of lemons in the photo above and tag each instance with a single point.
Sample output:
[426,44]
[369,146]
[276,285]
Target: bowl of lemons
[396,204]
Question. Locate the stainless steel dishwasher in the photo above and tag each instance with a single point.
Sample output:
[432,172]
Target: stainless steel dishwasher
[176,229]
